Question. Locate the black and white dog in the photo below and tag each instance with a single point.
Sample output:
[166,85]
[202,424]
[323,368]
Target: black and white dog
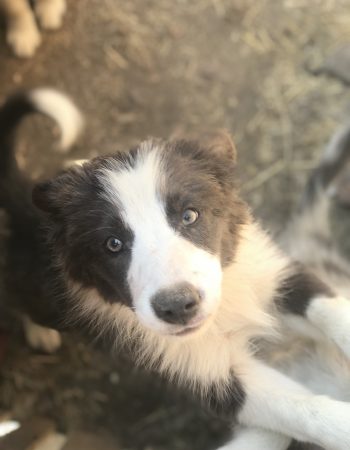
[20,266]
[155,248]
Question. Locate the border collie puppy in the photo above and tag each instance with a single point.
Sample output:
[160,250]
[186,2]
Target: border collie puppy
[22,31]
[155,248]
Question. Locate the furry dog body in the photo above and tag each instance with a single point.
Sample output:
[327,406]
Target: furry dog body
[156,249]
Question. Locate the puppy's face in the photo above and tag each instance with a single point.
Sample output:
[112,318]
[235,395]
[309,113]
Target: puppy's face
[151,228]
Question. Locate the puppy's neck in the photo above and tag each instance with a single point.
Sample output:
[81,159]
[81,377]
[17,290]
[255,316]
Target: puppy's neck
[251,282]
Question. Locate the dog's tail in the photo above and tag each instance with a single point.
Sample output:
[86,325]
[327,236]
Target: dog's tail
[326,177]
[45,101]
[15,189]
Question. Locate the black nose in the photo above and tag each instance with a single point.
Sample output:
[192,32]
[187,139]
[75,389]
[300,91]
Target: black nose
[178,304]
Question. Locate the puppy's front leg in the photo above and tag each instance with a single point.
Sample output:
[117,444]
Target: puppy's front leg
[276,403]
[39,337]
[50,13]
[311,308]
[22,33]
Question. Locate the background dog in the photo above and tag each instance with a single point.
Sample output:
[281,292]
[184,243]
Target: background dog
[317,236]
[59,108]
[23,34]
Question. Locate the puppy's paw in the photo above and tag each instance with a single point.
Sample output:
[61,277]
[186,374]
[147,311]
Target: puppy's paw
[337,427]
[41,338]
[256,438]
[23,37]
[50,13]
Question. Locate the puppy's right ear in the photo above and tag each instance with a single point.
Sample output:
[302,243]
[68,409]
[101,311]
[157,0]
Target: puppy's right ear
[54,195]
[41,197]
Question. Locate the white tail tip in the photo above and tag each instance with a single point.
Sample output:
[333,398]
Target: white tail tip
[61,109]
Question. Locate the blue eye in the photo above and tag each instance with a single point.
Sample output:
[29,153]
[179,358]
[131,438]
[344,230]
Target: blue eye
[189,216]
[114,244]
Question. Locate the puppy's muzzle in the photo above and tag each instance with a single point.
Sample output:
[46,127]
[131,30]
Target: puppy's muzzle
[178,304]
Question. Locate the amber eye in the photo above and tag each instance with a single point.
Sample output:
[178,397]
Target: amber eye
[114,244]
[189,216]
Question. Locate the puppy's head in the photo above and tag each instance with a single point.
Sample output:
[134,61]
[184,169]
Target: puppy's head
[151,228]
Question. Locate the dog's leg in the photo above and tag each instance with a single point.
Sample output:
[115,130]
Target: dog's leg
[257,439]
[312,309]
[276,403]
[41,338]
[50,13]
[22,32]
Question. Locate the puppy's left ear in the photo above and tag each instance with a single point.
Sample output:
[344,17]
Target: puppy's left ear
[220,143]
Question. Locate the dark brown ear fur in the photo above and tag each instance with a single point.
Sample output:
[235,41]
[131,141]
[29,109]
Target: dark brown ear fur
[40,196]
[53,195]
[220,143]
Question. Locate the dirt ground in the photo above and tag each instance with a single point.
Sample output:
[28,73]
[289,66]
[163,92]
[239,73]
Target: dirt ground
[269,71]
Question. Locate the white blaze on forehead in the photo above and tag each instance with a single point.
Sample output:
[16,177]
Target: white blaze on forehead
[160,256]
[135,190]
